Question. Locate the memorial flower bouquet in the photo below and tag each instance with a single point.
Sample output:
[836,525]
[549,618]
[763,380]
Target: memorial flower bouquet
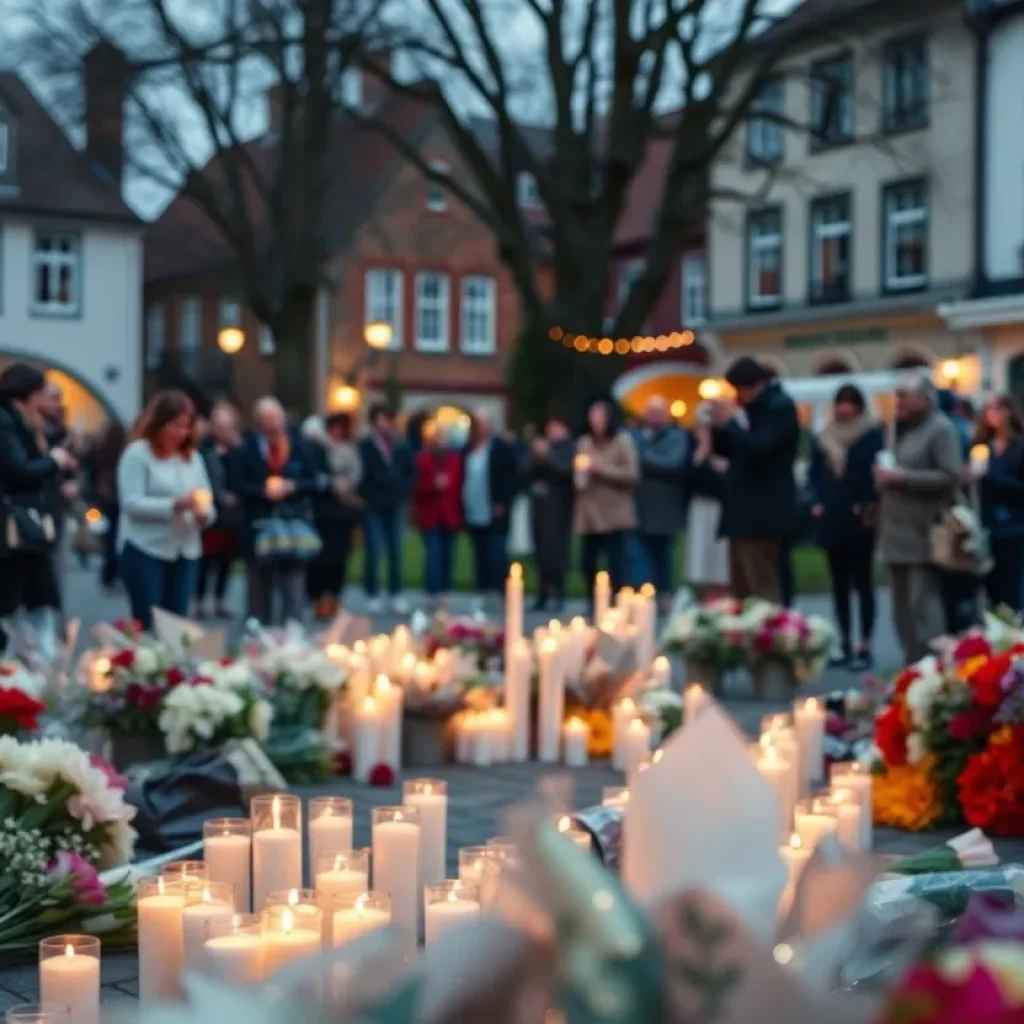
[715,633]
[302,680]
[800,642]
[20,706]
[479,639]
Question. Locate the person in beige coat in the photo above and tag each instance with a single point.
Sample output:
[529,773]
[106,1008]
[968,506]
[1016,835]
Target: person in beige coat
[917,481]
[606,472]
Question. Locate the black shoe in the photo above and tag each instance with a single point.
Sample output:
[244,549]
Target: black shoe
[862,662]
[840,661]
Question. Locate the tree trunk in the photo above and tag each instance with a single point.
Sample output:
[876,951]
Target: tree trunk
[295,363]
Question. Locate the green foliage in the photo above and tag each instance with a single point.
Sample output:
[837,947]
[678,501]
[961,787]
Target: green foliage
[526,378]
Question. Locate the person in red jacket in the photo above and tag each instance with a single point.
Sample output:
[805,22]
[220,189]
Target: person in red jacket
[437,507]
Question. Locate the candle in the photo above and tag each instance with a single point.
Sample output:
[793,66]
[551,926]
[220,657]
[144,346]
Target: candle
[795,856]
[502,856]
[342,875]
[330,827]
[368,912]
[602,597]
[848,826]
[234,950]
[480,751]
[809,723]
[366,728]
[581,470]
[227,853]
[624,604]
[274,487]
[161,944]
[99,674]
[389,700]
[551,702]
[69,975]
[694,699]
[513,607]
[856,780]
[622,714]
[430,797]
[303,903]
[518,668]
[637,744]
[448,904]
[661,673]
[186,871]
[396,850]
[202,500]
[615,796]
[276,845]
[575,738]
[204,902]
[979,459]
[288,937]
[814,820]
[472,864]
[645,616]
[777,771]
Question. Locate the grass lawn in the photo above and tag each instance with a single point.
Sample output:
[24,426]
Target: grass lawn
[810,567]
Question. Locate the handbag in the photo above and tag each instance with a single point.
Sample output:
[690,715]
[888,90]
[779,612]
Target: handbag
[959,543]
[282,538]
[26,529]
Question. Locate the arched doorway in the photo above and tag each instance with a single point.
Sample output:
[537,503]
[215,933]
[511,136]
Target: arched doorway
[87,412]
[833,368]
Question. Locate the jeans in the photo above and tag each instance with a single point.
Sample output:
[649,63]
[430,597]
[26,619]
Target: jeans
[383,531]
[439,546]
[217,568]
[157,583]
[285,583]
[638,570]
[612,546]
[490,558]
[851,569]
[657,554]
[327,574]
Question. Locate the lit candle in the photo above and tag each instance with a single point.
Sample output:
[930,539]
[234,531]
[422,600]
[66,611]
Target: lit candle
[227,852]
[472,862]
[581,470]
[448,905]
[288,937]
[777,771]
[234,950]
[274,487]
[795,856]
[645,617]
[342,875]
[396,850]
[602,597]
[330,827]
[202,500]
[518,670]
[624,604]
[809,723]
[694,699]
[366,729]
[204,902]
[69,975]
[99,674]
[369,912]
[637,743]
[856,779]
[430,797]
[575,737]
[979,459]
[661,672]
[513,607]
[161,943]
[814,820]
[848,827]
[276,845]
[389,700]
[551,702]
[622,714]
[481,753]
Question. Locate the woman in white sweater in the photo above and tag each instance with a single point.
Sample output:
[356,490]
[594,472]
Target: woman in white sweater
[165,503]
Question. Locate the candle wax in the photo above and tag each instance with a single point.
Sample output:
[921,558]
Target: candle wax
[236,959]
[276,863]
[193,920]
[446,914]
[72,981]
[161,947]
[353,922]
[229,859]
[283,948]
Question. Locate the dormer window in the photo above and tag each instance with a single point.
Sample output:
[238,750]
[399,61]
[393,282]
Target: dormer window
[5,146]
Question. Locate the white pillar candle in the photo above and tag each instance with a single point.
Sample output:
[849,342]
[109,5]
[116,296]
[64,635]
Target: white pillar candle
[161,942]
[624,604]
[848,826]
[369,912]
[236,958]
[646,619]
[227,853]
[777,771]
[276,845]
[694,699]
[856,779]
[551,702]
[813,822]
[330,827]
[809,723]
[463,726]
[366,739]
[513,607]
[783,741]
[448,906]
[396,852]
[481,754]
[661,673]
[204,902]
[69,975]
[288,937]
[430,797]
[637,743]
[602,597]
[795,856]
[622,714]
[575,738]
[518,670]
[389,699]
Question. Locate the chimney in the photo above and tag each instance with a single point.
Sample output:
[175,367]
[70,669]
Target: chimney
[106,78]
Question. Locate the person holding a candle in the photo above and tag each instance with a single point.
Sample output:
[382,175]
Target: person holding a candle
[605,504]
[160,480]
[437,507]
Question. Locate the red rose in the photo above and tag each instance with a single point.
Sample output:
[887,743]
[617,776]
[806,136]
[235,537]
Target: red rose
[226,661]
[836,724]
[175,677]
[123,659]
[990,786]
[891,735]
[382,775]
[22,709]
[971,646]
[970,723]
[987,681]
[903,681]
[342,763]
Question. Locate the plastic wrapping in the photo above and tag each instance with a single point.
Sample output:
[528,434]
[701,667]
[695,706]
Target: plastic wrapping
[950,891]
[605,827]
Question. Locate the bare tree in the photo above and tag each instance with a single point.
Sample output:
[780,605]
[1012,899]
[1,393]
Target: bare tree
[195,79]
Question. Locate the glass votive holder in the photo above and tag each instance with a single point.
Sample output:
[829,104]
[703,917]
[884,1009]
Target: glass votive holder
[234,949]
[472,864]
[204,901]
[615,796]
[447,905]
[303,902]
[501,841]
[289,936]
[813,820]
[578,836]
[330,826]
[36,1013]
[69,975]
[159,901]
[340,877]
[186,871]
[227,853]
[276,845]
[355,916]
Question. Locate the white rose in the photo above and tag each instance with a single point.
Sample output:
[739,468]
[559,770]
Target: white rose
[920,698]
[146,661]
[260,717]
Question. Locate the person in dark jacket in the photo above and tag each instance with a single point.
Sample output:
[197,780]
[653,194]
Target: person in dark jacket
[387,483]
[759,438]
[548,471]
[220,541]
[27,472]
[845,511]
[437,507]
[105,456]
[272,473]
[1000,481]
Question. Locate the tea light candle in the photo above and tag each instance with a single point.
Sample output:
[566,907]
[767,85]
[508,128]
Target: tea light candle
[69,975]
[234,950]
[204,902]
[602,597]
[622,714]
[276,845]
[227,853]
[330,827]
[288,937]
[856,779]
[813,821]
[396,849]
[368,912]
[848,827]
[159,905]
[430,797]
[809,723]
[448,904]
[637,744]
[575,738]
[472,862]
[694,699]
[366,746]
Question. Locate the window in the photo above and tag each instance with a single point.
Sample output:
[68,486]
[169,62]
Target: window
[765,139]
[830,249]
[906,236]
[57,270]
[478,316]
[352,88]
[432,312]
[189,333]
[156,335]
[629,273]
[906,84]
[5,144]
[230,313]
[384,301]
[527,192]
[695,290]
[832,101]
[265,342]
[437,198]
[764,242]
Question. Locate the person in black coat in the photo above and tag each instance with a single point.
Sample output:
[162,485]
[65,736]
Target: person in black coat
[759,439]
[27,474]
[844,506]
[1000,481]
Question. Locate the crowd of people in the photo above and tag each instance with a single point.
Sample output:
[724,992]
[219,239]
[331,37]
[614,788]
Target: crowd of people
[187,498]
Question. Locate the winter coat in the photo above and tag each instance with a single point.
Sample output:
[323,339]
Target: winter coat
[607,504]
[438,506]
[661,493]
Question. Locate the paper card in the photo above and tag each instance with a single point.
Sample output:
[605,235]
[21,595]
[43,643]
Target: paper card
[177,632]
[210,646]
[618,655]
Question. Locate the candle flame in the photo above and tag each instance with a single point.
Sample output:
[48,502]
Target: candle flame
[564,823]
[360,905]
[602,579]
[275,811]
[647,590]
[811,704]
[554,626]
[383,684]
[428,789]
[359,647]
[661,663]
[69,951]
[636,725]
[369,704]
[795,842]
[207,898]
[842,796]
[398,816]
[236,921]
[293,897]
[160,885]
[627,706]
[695,688]
[515,572]
[453,896]
[287,921]
[657,756]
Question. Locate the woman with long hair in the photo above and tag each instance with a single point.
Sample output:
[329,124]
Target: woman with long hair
[166,501]
[1001,492]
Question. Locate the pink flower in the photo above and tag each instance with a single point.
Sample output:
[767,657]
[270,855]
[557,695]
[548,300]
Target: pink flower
[114,780]
[924,996]
[85,880]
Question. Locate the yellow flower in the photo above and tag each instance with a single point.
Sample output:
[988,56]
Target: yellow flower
[905,797]
[600,722]
[1002,958]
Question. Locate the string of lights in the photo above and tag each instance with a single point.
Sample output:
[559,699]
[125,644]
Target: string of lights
[622,346]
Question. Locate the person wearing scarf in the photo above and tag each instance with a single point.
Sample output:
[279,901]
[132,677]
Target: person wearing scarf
[845,510]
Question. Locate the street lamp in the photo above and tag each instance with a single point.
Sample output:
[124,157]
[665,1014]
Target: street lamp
[230,340]
[378,334]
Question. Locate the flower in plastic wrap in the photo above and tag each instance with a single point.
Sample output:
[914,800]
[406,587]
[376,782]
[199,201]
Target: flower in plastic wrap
[192,715]
[84,878]
[905,796]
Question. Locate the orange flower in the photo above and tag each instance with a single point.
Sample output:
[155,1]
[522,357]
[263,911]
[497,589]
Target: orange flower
[600,723]
[904,796]
[967,668]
